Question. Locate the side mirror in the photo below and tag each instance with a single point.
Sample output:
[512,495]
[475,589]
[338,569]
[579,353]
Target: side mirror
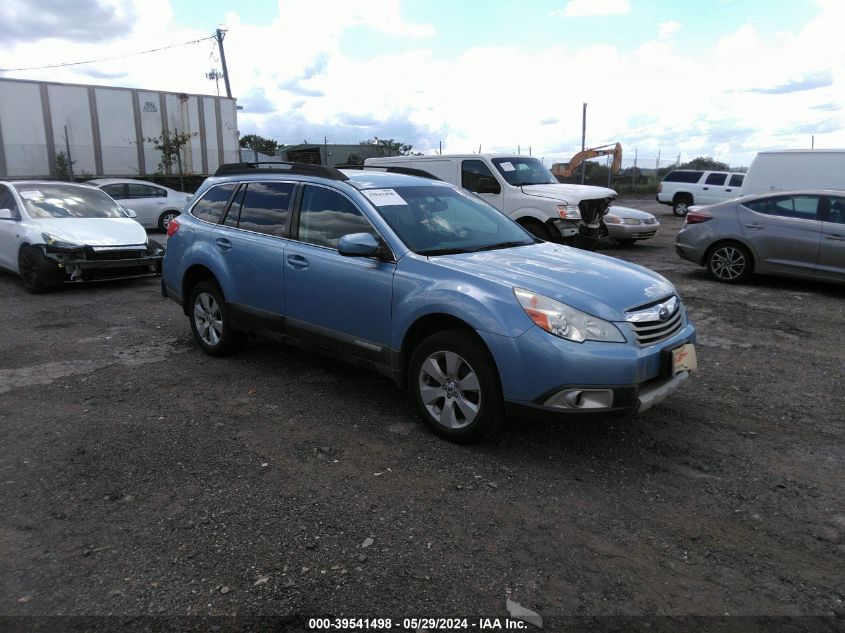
[486,184]
[358,245]
[129,213]
[6,214]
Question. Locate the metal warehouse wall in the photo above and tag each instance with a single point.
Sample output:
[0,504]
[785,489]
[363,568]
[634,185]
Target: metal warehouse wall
[106,128]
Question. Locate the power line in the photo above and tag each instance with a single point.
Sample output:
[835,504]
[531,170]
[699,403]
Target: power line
[106,59]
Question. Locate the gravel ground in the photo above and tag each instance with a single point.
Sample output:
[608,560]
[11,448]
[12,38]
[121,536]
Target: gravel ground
[141,477]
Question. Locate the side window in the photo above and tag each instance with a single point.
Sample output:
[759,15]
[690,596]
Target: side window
[683,176]
[325,216]
[211,206]
[265,208]
[115,191]
[7,201]
[234,212]
[140,191]
[736,180]
[472,171]
[835,210]
[801,207]
[716,179]
[160,193]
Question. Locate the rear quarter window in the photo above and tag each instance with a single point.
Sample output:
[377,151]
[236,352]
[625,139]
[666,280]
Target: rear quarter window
[213,203]
[683,176]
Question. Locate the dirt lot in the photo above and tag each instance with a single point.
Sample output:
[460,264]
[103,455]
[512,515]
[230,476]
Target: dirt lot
[138,476]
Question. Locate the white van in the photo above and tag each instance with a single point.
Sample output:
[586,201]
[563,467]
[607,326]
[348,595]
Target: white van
[522,188]
[796,169]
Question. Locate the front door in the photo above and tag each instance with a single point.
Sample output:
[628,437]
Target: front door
[340,302]
[832,244]
[475,176]
[9,230]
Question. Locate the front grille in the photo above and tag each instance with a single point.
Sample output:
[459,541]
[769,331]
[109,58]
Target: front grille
[114,255]
[592,210]
[644,235]
[648,326]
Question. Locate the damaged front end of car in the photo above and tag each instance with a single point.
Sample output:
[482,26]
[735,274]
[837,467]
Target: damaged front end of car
[73,263]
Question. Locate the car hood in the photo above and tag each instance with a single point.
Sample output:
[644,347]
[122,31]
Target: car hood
[628,212]
[573,194]
[603,286]
[96,231]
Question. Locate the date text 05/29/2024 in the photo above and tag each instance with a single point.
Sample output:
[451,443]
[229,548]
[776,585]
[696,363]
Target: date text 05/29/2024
[415,624]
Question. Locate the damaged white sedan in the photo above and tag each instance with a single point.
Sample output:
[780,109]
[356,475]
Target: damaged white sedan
[56,232]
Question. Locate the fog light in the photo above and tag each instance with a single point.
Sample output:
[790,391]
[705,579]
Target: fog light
[581,399]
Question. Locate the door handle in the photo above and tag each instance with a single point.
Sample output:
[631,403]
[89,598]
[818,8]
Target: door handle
[834,236]
[728,190]
[755,226]
[706,188]
[223,244]
[297,261]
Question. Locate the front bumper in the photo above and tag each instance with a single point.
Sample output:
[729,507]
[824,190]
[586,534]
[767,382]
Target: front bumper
[632,231]
[93,264]
[544,376]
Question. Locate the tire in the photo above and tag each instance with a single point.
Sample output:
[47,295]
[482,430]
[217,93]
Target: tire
[164,220]
[538,229]
[730,263]
[36,271]
[681,204]
[211,322]
[454,383]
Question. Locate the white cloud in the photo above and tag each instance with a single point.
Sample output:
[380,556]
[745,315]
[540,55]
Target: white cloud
[668,29]
[582,8]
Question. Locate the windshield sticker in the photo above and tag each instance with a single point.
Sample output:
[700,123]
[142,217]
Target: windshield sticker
[384,197]
[507,166]
[31,194]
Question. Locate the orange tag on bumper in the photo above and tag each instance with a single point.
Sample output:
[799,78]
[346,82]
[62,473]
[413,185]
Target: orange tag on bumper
[683,358]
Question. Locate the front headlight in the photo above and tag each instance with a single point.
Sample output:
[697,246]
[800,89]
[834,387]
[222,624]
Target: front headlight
[632,221]
[57,242]
[612,219]
[565,321]
[568,212]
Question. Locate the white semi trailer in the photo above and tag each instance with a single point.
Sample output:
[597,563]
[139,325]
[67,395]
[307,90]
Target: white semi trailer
[106,128]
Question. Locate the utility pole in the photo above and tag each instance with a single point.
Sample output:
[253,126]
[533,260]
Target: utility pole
[219,35]
[440,152]
[813,142]
[583,140]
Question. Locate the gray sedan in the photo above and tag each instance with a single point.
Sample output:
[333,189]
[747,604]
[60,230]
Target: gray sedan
[792,233]
[627,225]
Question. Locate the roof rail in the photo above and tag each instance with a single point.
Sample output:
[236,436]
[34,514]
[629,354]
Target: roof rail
[280,167]
[392,169]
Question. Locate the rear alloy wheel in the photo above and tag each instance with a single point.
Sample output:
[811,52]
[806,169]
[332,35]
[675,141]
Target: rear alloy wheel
[33,268]
[454,383]
[730,263]
[164,220]
[681,205]
[211,322]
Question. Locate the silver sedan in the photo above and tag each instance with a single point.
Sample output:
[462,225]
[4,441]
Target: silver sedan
[791,233]
[627,225]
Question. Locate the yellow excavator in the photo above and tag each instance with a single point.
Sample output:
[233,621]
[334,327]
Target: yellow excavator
[567,169]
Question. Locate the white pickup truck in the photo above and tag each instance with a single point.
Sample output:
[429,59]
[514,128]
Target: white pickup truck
[522,188]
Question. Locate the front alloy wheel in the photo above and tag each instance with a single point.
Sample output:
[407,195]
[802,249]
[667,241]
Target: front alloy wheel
[730,263]
[456,387]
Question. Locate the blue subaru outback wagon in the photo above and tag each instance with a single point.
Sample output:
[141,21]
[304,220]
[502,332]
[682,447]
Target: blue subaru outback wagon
[426,283]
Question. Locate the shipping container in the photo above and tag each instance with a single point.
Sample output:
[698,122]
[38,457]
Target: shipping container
[104,129]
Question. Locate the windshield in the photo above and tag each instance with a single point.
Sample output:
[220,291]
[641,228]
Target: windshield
[46,201]
[439,220]
[524,170]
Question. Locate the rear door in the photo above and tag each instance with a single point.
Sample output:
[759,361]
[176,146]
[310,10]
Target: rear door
[832,245]
[252,239]
[784,232]
[734,186]
[341,302]
[713,188]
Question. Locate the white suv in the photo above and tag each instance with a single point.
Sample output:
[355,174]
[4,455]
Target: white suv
[683,188]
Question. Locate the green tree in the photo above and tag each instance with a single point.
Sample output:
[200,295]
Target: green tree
[258,143]
[64,167]
[390,147]
[170,145]
[705,163]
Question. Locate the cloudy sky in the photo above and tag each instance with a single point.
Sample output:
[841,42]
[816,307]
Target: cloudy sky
[724,78]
